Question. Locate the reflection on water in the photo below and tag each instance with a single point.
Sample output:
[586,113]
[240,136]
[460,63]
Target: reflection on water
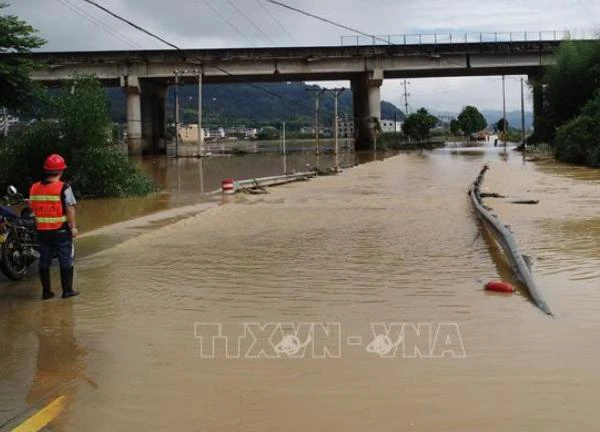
[395,240]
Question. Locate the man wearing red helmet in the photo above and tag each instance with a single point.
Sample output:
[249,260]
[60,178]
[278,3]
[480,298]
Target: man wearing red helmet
[52,202]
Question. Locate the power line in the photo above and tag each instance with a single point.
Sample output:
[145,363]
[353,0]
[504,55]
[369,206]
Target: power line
[328,21]
[264,90]
[274,18]
[98,23]
[227,22]
[252,23]
[135,26]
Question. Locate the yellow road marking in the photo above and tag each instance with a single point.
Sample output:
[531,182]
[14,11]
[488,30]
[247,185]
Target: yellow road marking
[37,421]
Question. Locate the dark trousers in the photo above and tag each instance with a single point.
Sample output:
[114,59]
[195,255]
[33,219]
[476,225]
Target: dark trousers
[54,243]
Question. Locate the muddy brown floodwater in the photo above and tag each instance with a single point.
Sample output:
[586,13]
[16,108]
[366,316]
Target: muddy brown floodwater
[317,290]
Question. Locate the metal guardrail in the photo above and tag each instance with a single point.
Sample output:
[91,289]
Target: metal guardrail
[461,38]
[507,242]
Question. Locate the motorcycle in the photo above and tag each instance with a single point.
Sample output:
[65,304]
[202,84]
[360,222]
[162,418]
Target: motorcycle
[18,237]
[19,246]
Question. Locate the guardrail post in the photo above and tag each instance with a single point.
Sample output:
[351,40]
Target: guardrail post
[404,36]
[450,38]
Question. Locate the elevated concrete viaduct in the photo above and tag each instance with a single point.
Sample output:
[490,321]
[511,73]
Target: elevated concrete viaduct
[144,75]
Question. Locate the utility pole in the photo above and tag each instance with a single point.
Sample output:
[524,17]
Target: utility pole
[176,113]
[504,122]
[284,150]
[406,95]
[336,92]
[317,94]
[200,131]
[522,114]
[346,128]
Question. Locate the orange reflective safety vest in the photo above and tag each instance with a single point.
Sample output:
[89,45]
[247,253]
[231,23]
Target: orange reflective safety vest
[46,203]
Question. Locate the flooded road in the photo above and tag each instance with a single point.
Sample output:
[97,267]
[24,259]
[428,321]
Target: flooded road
[303,282]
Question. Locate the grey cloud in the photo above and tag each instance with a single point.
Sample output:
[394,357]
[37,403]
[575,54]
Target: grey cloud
[190,23]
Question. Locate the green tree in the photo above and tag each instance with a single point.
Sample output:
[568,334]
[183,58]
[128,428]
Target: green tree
[571,80]
[418,125]
[81,131]
[502,125]
[471,120]
[17,38]
[268,133]
[454,127]
[82,108]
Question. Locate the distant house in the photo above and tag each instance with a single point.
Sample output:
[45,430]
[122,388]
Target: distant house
[482,135]
[391,126]
[345,128]
[323,131]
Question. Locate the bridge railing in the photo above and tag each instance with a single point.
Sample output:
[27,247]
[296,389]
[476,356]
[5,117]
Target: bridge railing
[460,38]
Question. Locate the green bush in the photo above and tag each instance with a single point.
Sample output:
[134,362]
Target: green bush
[578,141]
[105,172]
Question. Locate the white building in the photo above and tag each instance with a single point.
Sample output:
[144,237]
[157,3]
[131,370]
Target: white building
[391,126]
[345,128]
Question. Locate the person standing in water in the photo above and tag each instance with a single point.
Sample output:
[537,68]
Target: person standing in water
[53,205]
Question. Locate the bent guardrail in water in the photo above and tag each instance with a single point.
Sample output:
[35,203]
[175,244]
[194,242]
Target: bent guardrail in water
[518,262]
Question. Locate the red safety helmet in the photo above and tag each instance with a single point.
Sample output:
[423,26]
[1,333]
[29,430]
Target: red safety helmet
[55,162]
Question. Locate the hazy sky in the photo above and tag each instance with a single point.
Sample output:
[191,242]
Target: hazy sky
[75,25]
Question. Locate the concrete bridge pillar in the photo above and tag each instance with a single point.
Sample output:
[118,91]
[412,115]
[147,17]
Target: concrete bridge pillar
[540,124]
[131,87]
[366,97]
[153,117]
[145,115]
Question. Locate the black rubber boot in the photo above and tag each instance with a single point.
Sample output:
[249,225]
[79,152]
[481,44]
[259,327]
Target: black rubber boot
[46,284]
[66,278]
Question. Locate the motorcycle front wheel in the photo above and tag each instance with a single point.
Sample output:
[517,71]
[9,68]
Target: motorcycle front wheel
[12,261]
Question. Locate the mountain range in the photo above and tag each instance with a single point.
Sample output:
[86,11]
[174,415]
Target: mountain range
[253,104]
[272,103]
